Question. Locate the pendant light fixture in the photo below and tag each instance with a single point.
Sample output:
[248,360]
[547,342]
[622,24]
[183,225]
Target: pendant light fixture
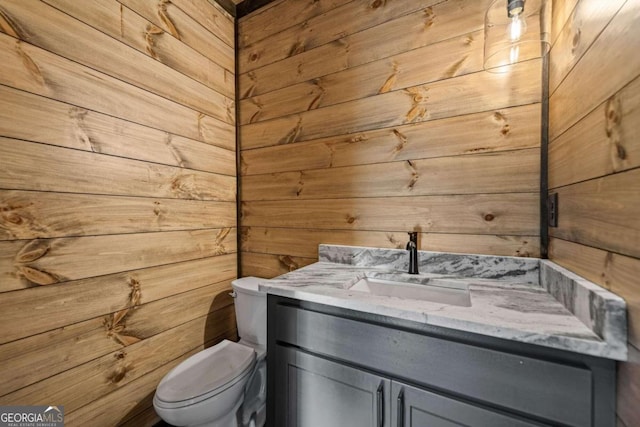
[516,31]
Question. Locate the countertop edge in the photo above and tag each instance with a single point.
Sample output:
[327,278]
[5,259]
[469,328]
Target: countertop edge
[571,344]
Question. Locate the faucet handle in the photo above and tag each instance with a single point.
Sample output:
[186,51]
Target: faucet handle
[413,236]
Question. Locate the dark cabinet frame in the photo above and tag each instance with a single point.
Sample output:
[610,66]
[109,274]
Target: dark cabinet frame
[540,385]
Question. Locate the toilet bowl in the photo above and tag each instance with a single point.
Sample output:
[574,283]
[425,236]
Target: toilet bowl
[225,385]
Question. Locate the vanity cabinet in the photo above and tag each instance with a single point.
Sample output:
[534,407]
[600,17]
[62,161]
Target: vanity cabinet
[335,367]
[416,407]
[320,393]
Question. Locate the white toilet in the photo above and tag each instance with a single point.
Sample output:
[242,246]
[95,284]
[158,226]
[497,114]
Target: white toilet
[225,385]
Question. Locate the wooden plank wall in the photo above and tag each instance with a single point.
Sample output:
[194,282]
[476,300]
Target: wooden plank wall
[594,159]
[361,120]
[117,199]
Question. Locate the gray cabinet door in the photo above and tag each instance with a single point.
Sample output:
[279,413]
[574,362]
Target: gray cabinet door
[315,392]
[414,407]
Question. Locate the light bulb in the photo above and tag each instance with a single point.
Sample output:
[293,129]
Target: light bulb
[516,28]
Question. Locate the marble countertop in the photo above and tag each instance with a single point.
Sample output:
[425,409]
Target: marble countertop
[510,298]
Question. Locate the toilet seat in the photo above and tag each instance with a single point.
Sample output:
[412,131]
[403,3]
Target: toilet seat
[206,374]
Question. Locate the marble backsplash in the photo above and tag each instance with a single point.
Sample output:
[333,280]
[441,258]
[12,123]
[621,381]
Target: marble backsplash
[602,311]
[520,270]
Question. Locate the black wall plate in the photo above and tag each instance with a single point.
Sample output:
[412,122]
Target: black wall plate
[553,209]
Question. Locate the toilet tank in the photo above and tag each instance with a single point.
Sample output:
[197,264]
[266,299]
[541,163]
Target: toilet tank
[251,310]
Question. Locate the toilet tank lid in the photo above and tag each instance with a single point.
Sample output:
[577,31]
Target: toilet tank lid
[248,285]
[206,371]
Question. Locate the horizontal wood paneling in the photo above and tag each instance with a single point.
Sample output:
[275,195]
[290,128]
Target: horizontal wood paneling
[269,266]
[78,128]
[174,21]
[582,27]
[32,215]
[274,18]
[126,401]
[41,262]
[359,133]
[304,243]
[35,118]
[593,160]
[457,56]
[90,381]
[41,25]
[44,308]
[602,212]
[123,24]
[60,169]
[561,11]
[211,16]
[35,70]
[484,173]
[609,64]
[36,358]
[500,130]
[118,233]
[607,140]
[421,28]
[146,417]
[446,98]
[501,214]
[321,29]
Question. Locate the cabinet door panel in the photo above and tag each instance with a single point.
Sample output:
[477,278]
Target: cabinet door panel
[321,393]
[414,407]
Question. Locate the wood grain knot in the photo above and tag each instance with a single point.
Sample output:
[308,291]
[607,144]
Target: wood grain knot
[489,217]
[150,32]
[253,57]
[319,92]
[118,375]
[30,65]
[13,218]
[505,130]
[576,40]
[351,219]
[429,17]
[613,118]
[297,48]
[402,141]
[166,19]
[36,276]
[9,26]
[414,175]
[378,3]
[293,134]
[156,208]
[288,262]
[455,67]
[391,80]
[394,242]
[33,251]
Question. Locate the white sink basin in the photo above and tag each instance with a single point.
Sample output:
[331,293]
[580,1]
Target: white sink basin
[443,292]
